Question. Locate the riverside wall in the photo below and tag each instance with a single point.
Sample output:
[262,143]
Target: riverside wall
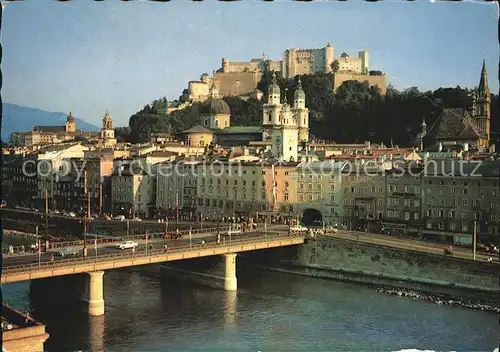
[347,260]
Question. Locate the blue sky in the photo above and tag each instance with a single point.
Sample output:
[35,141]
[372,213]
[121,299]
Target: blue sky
[88,57]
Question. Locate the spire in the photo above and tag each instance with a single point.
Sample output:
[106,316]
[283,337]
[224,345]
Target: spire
[423,123]
[483,88]
[284,98]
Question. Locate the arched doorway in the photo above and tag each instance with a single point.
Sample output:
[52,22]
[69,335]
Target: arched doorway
[312,217]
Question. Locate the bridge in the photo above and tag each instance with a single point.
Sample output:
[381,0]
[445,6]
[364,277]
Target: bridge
[94,266]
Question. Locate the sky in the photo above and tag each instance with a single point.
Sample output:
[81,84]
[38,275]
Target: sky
[89,57]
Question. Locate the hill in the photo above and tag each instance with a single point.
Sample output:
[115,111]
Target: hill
[18,118]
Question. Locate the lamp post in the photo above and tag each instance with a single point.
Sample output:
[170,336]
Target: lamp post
[46,220]
[86,193]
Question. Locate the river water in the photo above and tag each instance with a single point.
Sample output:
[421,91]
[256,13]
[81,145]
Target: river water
[270,312]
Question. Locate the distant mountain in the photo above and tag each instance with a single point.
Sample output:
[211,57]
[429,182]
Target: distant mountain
[18,118]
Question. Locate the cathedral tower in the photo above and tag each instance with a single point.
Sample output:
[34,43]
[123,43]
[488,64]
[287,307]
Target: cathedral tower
[271,110]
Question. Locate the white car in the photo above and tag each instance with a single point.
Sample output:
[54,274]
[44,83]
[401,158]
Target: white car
[72,215]
[119,217]
[298,228]
[127,245]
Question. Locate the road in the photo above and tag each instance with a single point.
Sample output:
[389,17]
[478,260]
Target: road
[110,248]
[413,244]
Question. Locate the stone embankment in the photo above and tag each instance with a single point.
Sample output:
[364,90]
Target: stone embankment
[436,275]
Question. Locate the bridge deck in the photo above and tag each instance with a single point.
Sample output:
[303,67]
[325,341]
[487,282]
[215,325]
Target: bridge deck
[121,260]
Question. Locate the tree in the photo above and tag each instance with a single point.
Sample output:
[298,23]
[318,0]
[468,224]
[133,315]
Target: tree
[335,66]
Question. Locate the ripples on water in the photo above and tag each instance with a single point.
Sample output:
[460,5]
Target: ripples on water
[270,312]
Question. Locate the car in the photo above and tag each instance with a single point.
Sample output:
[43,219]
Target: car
[65,252]
[136,219]
[72,215]
[332,229]
[298,228]
[127,245]
[119,217]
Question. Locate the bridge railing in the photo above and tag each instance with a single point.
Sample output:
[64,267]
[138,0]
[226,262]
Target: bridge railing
[143,254]
[151,235]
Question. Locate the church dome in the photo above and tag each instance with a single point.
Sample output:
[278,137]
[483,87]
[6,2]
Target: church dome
[70,117]
[274,88]
[215,107]
[299,92]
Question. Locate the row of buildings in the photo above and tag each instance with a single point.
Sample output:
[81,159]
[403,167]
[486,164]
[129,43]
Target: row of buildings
[392,190]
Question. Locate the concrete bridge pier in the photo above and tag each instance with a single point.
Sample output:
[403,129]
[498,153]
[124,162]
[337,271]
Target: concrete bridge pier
[214,271]
[230,280]
[95,293]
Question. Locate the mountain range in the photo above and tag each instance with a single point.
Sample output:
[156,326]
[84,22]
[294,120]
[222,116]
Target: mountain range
[16,118]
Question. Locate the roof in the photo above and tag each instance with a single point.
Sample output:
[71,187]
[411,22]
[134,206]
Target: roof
[198,129]
[457,124]
[240,130]
[214,107]
[53,129]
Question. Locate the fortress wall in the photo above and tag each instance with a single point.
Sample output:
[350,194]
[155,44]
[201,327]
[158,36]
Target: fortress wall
[379,81]
[226,82]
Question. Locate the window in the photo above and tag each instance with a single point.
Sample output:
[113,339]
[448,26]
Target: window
[441,214]
[332,198]
[465,202]
[390,214]
[453,190]
[286,184]
[407,215]
[319,196]
[464,228]
[428,213]
[301,186]
[464,191]
[493,216]
[416,216]
[464,215]
[451,214]
[301,197]
[441,226]
[332,187]
[429,201]
[286,196]
[493,204]
[429,223]
[452,226]
[310,197]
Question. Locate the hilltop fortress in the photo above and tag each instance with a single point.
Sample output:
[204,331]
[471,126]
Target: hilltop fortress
[241,78]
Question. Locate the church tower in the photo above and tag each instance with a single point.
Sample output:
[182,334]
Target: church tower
[301,112]
[271,110]
[482,106]
[423,133]
[107,130]
[70,123]
[284,135]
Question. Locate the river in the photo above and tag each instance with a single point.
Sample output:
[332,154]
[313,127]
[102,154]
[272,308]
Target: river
[270,312]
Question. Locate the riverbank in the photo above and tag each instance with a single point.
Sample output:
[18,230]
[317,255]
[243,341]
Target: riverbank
[378,265]
[431,292]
